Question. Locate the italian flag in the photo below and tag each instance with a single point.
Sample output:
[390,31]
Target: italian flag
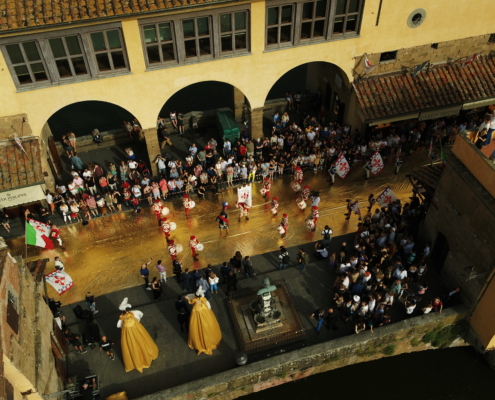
[37,234]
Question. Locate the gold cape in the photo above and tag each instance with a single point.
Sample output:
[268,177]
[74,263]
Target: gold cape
[138,348]
[204,331]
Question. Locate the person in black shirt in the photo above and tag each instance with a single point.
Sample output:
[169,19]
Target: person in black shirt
[181,303]
[106,346]
[331,318]
[73,339]
[183,318]
[87,389]
[318,316]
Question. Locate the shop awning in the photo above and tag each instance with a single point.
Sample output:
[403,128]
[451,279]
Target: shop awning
[21,174]
[480,103]
[442,87]
[440,113]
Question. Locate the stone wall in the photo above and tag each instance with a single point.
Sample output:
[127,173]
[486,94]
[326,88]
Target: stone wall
[28,361]
[409,57]
[464,212]
[401,337]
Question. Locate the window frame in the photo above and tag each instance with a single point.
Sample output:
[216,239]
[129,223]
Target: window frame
[26,63]
[280,24]
[358,13]
[68,57]
[215,36]
[197,37]
[233,32]
[159,43]
[49,60]
[330,15]
[313,19]
[108,51]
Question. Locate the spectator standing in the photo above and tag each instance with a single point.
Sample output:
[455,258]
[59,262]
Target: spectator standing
[145,274]
[162,271]
[302,259]
[318,316]
[248,267]
[91,302]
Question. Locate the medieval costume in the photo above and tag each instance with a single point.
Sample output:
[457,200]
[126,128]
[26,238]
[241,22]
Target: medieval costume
[284,225]
[204,331]
[193,244]
[172,249]
[166,227]
[243,211]
[274,206]
[223,221]
[138,348]
[266,188]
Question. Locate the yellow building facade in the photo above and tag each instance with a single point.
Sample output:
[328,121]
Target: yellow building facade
[143,91]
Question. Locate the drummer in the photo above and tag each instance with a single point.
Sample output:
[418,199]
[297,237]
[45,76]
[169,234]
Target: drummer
[193,244]
[266,187]
[187,204]
[298,174]
[243,211]
[157,209]
[305,193]
[315,214]
[172,249]
[284,225]
[166,228]
[274,206]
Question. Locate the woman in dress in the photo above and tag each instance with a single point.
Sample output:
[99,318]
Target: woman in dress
[69,150]
[138,348]
[157,288]
[72,139]
[124,171]
[204,331]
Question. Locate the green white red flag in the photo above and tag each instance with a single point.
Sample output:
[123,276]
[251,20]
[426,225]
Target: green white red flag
[38,234]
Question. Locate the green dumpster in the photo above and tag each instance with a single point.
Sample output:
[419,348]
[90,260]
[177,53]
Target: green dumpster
[227,126]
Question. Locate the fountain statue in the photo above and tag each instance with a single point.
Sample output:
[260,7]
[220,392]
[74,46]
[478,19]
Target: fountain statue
[265,312]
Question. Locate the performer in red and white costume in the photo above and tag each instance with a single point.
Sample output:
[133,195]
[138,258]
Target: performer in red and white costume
[284,225]
[187,204]
[274,206]
[298,175]
[243,211]
[225,205]
[165,227]
[315,214]
[157,209]
[193,244]
[353,206]
[172,249]
[305,193]
[55,234]
[266,187]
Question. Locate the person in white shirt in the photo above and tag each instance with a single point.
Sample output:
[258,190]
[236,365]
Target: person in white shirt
[132,165]
[321,251]
[59,265]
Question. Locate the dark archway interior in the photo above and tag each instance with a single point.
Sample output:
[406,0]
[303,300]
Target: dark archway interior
[293,81]
[201,96]
[84,116]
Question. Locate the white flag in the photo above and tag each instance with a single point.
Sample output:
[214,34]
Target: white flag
[342,165]
[244,195]
[60,280]
[376,163]
[386,197]
[368,67]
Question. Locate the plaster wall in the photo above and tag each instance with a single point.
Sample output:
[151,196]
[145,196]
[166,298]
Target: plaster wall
[143,93]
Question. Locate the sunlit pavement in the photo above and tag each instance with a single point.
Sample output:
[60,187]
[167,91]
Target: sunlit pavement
[105,256]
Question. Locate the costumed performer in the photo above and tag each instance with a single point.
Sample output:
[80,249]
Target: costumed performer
[223,222]
[204,331]
[305,193]
[274,206]
[172,249]
[353,206]
[187,204]
[243,211]
[298,174]
[138,348]
[266,187]
[193,244]
[284,225]
[157,209]
[166,227]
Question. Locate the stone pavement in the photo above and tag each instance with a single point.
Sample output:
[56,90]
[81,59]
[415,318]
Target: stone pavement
[177,364]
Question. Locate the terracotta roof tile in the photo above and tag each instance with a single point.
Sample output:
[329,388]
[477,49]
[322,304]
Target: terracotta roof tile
[383,96]
[17,169]
[19,14]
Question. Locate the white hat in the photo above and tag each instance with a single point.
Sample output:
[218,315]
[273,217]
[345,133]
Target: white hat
[200,292]
[356,298]
[387,226]
[124,305]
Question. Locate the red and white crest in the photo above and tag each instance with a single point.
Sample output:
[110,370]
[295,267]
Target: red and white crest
[386,197]
[342,166]
[376,163]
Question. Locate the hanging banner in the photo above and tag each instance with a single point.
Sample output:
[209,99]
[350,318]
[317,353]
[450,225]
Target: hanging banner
[386,197]
[60,280]
[245,195]
[376,163]
[343,167]
[367,66]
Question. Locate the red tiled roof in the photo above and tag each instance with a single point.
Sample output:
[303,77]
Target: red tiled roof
[443,85]
[18,169]
[20,14]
